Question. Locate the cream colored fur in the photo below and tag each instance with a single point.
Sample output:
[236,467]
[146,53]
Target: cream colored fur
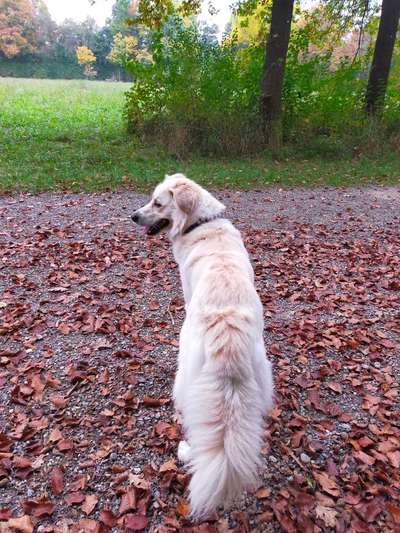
[223,387]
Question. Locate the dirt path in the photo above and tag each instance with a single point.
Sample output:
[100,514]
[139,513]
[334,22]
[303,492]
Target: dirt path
[90,312]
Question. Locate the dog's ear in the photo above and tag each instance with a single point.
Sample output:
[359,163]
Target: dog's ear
[186,198]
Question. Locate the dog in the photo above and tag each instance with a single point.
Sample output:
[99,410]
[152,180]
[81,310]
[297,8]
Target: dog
[223,387]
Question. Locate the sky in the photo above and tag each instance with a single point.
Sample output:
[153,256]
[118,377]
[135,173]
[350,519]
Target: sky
[80,9]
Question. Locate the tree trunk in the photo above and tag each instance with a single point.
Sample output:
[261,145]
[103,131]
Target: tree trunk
[380,68]
[274,69]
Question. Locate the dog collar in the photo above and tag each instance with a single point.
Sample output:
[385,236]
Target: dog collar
[200,222]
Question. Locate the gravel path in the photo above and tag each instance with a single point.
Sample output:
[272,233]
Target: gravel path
[90,312]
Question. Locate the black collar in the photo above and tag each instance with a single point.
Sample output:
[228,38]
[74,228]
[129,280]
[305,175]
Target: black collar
[200,222]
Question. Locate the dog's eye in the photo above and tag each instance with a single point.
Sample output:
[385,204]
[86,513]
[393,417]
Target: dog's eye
[157,203]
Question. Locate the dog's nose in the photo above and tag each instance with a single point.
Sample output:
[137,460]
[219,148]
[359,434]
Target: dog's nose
[135,218]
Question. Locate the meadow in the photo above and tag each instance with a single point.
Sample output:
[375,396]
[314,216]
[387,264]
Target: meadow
[70,135]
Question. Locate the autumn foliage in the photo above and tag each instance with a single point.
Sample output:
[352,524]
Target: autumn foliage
[86,58]
[18,33]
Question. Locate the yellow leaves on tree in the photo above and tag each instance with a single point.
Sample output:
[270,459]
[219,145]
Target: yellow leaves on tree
[250,27]
[124,49]
[17,28]
[86,57]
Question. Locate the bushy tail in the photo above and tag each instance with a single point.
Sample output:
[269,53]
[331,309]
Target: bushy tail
[224,415]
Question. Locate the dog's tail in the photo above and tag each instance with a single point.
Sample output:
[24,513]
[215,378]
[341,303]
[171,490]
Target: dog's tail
[225,415]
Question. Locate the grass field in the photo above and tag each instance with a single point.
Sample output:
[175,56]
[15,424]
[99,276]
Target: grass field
[57,135]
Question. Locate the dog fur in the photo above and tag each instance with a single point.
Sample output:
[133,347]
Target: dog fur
[223,387]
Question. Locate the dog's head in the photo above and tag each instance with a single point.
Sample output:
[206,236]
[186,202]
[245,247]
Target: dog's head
[176,203]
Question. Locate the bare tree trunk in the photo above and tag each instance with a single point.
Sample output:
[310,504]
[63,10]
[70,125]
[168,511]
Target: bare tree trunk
[274,70]
[380,68]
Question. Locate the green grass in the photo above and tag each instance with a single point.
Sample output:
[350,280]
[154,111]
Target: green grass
[58,135]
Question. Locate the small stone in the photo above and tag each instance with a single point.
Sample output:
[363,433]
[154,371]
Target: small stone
[273,459]
[304,458]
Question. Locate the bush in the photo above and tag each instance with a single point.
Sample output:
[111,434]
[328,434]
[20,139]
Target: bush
[197,95]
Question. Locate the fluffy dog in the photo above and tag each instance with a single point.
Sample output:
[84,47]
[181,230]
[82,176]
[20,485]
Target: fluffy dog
[223,387]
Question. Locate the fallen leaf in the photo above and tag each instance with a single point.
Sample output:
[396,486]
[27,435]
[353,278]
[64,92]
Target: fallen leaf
[108,518]
[57,480]
[155,402]
[327,484]
[89,504]
[327,515]
[394,511]
[22,524]
[167,466]
[182,508]
[136,522]
[128,501]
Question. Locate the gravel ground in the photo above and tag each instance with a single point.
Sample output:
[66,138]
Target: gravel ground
[90,312]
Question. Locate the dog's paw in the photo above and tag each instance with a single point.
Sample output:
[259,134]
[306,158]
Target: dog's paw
[184,454]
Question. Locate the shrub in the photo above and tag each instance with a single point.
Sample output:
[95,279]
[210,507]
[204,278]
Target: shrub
[195,94]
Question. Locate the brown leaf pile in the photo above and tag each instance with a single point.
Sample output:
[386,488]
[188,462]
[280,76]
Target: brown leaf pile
[90,312]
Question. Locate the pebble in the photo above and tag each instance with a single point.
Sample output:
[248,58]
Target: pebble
[272,459]
[304,458]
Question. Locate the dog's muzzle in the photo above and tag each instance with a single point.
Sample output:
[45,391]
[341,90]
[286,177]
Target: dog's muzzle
[154,228]
[158,226]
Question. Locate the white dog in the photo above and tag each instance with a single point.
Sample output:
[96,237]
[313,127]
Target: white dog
[223,387]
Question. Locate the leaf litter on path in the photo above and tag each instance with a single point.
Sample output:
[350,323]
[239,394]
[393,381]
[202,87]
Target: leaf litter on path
[90,313]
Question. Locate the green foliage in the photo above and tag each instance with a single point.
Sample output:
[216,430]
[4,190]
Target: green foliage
[324,102]
[40,67]
[201,96]
[195,94]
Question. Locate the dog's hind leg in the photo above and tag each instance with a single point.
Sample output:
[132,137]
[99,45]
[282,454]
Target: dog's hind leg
[190,361]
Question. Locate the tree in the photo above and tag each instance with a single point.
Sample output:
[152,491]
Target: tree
[274,70]
[124,49]
[383,53]
[101,45]
[17,28]
[45,26]
[122,10]
[70,35]
[86,57]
